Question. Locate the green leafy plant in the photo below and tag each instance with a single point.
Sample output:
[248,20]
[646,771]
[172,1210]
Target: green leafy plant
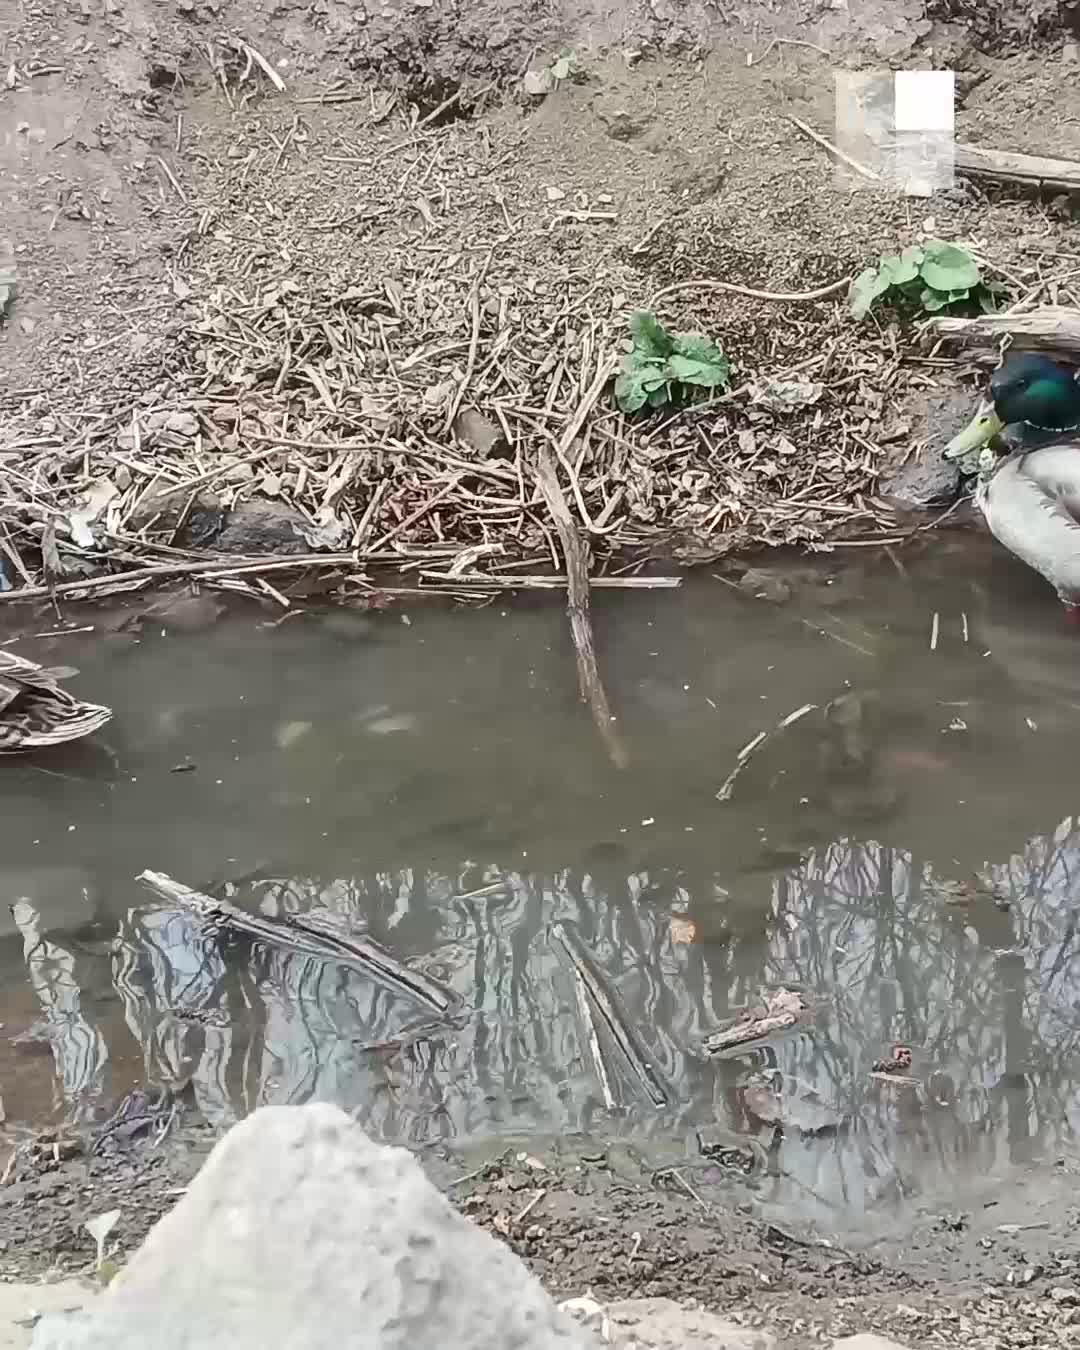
[662,368]
[930,276]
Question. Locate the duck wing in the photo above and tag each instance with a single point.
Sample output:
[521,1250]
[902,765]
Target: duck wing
[36,712]
[1032,505]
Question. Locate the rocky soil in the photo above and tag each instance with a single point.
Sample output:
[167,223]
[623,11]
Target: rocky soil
[342,272]
[586,1214]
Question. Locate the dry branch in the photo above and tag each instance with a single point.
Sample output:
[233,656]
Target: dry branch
[577,607]
[1004,166]
[317,933]
[779,1012]
[1052,327]
[591,980]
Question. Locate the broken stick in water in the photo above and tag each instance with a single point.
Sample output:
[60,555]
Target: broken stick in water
[593,984]
[779,1012]
[317,933]
[577,607]
[752,747]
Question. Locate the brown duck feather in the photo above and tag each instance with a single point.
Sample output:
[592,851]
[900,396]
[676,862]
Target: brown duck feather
[35,711]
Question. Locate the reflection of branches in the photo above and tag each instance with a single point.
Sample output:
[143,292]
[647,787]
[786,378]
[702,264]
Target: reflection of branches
[869,928]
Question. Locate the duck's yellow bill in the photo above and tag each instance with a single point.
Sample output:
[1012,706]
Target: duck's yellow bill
[980,431]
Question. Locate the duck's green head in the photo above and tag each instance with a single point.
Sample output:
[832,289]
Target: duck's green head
[1033,396]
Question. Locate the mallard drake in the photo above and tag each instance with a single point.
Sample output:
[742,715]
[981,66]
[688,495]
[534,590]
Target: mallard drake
[1030,492]
[36,712]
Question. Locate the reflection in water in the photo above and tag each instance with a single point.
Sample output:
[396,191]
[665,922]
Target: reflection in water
[476,811]
[79,1049]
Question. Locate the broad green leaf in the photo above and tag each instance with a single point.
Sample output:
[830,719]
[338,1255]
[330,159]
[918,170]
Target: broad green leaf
[561,69]
[660,396]
[959,295]
[947,267]
[708,374]
[634,386]
[933,300]
[913,254]
[865,289]
[699,348]
[639,359]
[630,392]
[899,270]
[648,334]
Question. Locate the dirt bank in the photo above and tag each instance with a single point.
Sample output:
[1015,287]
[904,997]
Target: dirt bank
[589,1214]
[323,286]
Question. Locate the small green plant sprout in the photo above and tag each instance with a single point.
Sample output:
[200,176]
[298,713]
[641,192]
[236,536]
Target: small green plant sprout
[661,368]
[930,276]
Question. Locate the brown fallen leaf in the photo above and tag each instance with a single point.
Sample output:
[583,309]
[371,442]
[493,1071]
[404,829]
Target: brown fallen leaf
[682,930]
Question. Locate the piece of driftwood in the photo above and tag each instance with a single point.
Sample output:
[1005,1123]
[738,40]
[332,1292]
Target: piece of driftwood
[317,933]
[1005,166]
[780,1011]
[594,983]
[577,607]
[1048,328]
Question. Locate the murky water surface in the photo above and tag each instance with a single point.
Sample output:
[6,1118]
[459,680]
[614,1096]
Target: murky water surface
[905,851]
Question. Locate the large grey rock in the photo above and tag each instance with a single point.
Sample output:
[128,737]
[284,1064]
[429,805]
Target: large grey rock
[663,1324]
[301,1233]
[21,1304]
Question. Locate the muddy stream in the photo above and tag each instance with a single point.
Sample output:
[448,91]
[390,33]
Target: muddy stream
[906,851]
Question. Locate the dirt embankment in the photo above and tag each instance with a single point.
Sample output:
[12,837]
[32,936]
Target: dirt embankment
[322,282]
[589,1215]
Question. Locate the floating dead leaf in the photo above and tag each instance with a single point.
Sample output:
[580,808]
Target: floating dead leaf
[765,585]
[682,930]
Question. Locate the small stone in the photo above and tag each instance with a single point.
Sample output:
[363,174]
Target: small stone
[480,435]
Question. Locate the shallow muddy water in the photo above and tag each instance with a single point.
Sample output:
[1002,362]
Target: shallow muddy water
[433,779]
